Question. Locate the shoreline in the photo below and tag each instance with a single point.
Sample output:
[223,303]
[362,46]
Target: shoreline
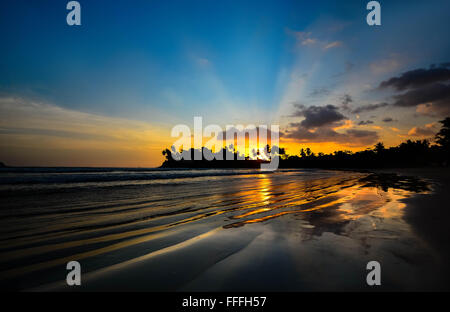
[286,225]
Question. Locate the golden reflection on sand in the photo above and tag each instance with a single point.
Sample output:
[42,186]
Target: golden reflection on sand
[350,200]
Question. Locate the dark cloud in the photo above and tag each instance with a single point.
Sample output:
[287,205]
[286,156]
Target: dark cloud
[368,108]
[319,126]
[444,65]
[318,116]
[426,89]
[427,94]
[418,78]
[319,92]
[365,122]
[437,96]
[388,119]
[345,101]
[350,137]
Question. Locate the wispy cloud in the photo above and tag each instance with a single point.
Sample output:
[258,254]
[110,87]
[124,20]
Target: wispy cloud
[307,39]
[202,61]
[389,119]
[365,122]
[386,65]
[333,44]
[41,129]
[369,107]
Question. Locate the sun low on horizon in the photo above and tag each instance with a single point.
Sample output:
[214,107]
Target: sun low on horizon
[108,92]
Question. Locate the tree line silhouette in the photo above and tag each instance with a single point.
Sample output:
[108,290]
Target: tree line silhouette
[410,153]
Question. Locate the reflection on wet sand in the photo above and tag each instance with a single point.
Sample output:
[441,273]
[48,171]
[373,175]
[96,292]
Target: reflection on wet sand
[347,199]
[313,213]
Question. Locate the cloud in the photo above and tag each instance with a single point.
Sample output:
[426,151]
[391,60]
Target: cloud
[418,78]
[204,62]
[425,131]
[363,137]
[345,101]
[351,137]
[318,116]
[306,39]
[348,67]
[426,89]
[38,133]
[369,107]
[364,123]
[303,37]
[309,41]
[436,96]
[385,65]
[333,44]
[388,119]
[24,116]
[320,124]
[319,92]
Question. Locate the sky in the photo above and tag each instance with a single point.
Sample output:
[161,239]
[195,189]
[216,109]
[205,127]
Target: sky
[108,92]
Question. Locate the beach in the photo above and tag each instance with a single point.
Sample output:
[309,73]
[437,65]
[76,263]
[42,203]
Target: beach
[223,230]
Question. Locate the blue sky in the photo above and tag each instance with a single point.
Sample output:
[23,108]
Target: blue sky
[164,62]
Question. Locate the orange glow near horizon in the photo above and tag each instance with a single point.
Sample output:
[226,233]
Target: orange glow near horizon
[46,135]
[48,151]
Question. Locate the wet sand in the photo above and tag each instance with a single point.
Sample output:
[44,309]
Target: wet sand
[305,230]
[428,214]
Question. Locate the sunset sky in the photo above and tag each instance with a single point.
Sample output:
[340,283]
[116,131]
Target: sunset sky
[108,92]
